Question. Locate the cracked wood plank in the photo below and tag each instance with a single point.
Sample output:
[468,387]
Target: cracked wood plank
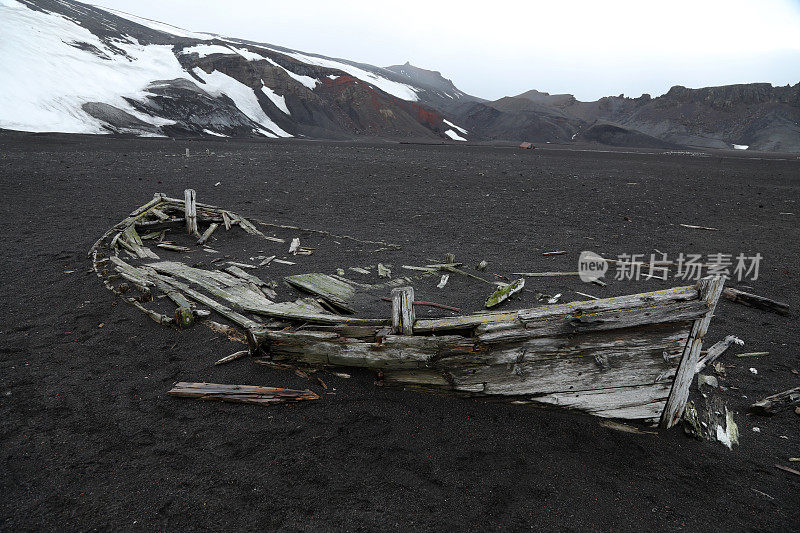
[240,393]
[338,293]
[709,290]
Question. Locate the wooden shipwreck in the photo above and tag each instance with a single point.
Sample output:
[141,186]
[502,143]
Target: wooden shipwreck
[629,357]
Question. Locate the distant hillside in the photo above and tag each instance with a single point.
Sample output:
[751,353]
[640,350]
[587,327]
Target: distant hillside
[72,67]
[757,115]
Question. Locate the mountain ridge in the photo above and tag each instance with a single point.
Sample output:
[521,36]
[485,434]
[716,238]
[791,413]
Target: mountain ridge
[74,67]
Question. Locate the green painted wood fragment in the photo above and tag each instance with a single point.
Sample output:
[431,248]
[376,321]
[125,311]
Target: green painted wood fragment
[502,294]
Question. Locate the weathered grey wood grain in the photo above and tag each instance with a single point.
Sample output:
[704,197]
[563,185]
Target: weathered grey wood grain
[642,402]
[240,293]
[223,310]
[190,207]
[716,351]
[403,310]
[207,233]
[240,393]
[291,311]
[709,290]
[333,290]
[331,348]
[428,325]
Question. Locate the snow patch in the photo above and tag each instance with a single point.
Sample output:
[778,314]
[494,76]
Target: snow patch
[741,146]
[243,96]
[462,130]
[400,90]
[331,76]
[48,80]
[308,81]
[204,50]
[278,100]
[455,136]
[215,134]
[248,55]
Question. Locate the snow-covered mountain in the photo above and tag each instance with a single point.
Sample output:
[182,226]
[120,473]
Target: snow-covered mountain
[71,67]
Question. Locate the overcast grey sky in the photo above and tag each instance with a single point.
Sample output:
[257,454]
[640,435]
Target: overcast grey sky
[493,49]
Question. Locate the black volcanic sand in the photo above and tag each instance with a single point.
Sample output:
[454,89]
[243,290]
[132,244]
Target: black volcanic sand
[90,440]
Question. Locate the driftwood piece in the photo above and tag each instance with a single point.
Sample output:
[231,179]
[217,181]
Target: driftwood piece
[403,310]
[692,226]
[333,290]
[173,247]
[240,393]
[709,290]
[232,357]
[716,351]
[787,469]
[753,300]
[190,207]
[777,402]
[207,233]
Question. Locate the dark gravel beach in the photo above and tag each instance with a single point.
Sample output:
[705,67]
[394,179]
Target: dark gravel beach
[89,440]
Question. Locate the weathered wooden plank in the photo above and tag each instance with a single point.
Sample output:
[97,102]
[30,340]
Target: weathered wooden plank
[709,290]
[777,402]
[716,351]
[207,233]
[418,377]
[754,300]
[220,284]
[130,272]
[135,215]
[240,393]
[546,376]
[666,341]
[331,348]
[190,207]
[223,310]
[335,291]
[290,311]
[642,402]
[617,319]
[130,239]
[403,310]
[632,301]
[428,325]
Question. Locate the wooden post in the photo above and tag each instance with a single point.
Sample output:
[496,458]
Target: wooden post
[403,310]
[709,288]
[191,211]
